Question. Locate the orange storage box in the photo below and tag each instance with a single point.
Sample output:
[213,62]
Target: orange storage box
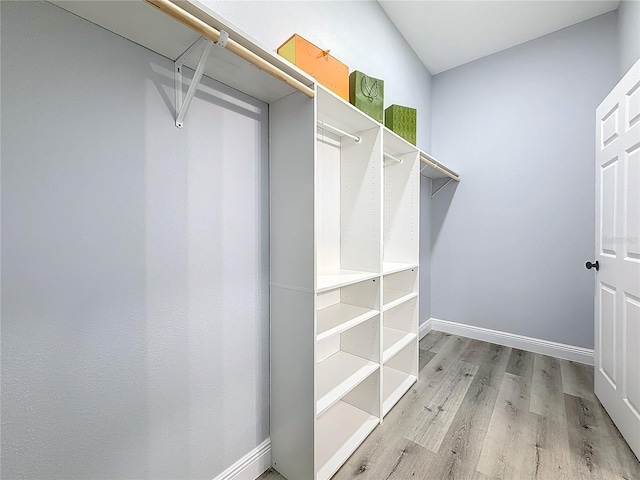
[327,71]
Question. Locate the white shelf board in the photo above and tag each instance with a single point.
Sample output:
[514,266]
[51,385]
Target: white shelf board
[395,145]
[340,278]
[437,171]
[338,375]
[395,340]
[145,25]
[393,267]
[393,298]
[337,318]
[335,111]
[339,432]
[395,384]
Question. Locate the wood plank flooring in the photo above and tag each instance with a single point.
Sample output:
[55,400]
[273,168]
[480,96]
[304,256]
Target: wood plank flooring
[481,411]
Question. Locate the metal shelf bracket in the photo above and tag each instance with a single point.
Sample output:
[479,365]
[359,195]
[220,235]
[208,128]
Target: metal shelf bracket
[183,103]
[433,194]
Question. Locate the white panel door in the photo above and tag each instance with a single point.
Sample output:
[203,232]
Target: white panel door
[617,302]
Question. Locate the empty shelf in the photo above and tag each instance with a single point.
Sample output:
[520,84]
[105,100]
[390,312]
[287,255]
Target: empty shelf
[393,298]
[395,385]
[340,432]
[392,267]
[340,278]
[337,375]
[395,340]
[340,317]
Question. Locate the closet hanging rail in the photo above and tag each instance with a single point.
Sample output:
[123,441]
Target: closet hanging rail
[342,133]
[212,34]
[388,156]
[431,162]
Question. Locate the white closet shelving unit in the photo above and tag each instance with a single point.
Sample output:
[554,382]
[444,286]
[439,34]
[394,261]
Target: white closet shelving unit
[345,248]
[344,238]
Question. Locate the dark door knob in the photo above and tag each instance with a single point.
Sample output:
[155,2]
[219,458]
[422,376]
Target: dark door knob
[590,265]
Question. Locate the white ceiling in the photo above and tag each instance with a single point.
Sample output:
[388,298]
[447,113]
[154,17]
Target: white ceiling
[445,34]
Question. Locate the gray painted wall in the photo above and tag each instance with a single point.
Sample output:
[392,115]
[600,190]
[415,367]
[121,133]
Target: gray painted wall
[629,29]
[510,241]
[134,261]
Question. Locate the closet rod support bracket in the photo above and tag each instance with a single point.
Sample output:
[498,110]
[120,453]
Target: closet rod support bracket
[433,194]
[183,103]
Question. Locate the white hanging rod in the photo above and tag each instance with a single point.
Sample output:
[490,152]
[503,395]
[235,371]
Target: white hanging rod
[212,34]
[392,158]
[339,132]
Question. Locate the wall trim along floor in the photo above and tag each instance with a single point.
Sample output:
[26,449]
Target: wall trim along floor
[252,465]
[535,345]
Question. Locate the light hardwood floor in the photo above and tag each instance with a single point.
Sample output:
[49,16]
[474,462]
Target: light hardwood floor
[482,411]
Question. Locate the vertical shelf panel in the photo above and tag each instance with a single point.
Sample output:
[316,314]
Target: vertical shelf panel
[292,253]
[401,248]
[401,204]
[360,218]
[291,187]
[398,374]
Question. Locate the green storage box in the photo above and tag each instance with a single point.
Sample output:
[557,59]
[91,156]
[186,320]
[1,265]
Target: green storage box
[367,94]
[402,120]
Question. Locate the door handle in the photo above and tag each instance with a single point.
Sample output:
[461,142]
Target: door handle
[590,265]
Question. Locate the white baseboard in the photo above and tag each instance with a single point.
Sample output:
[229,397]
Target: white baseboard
[251,466]
[535,345]
[424,329]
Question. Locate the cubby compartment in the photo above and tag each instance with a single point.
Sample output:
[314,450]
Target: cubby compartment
[398,374]
[400,328]
[345,307]
[399,287]
[401,200]
[345,360]
[343,427]
[348,194]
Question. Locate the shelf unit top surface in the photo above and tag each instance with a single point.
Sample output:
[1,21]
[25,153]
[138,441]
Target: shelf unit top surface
[338,375]
[335,111]
[337,318]
[145,25]
[395,144]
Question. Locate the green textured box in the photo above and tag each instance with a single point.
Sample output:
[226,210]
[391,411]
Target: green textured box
[403,121]
[367,94]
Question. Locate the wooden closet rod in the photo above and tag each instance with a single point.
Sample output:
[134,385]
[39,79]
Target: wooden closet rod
[212,34]
[439,168]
